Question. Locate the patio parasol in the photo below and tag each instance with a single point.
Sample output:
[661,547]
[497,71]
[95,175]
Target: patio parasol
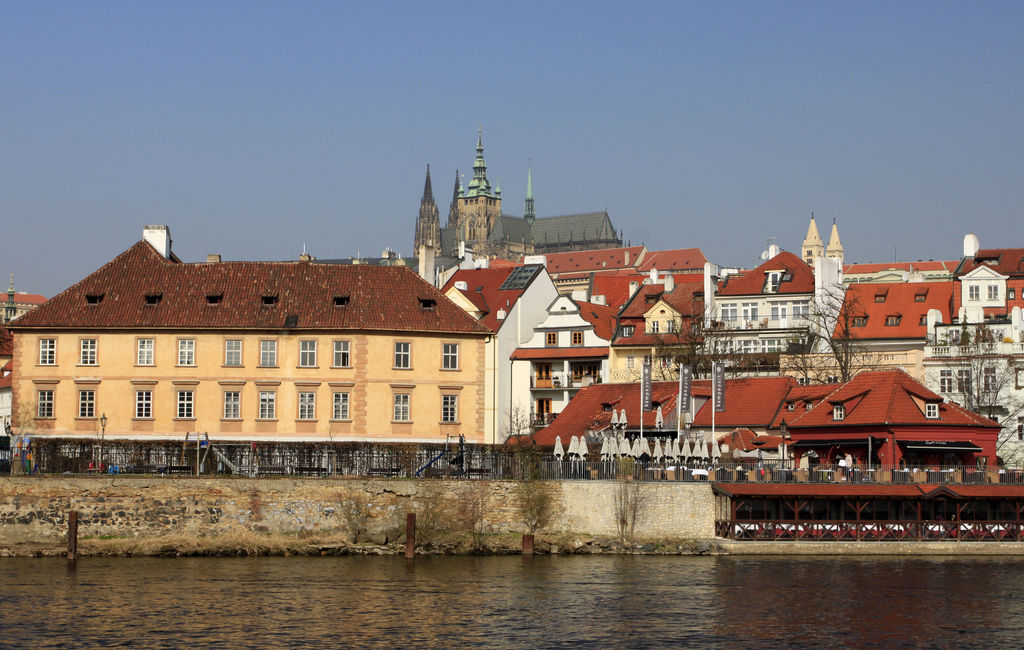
[604,449]
[582,448]
[559,451]
[659,419]
[657,454]
[685,452]
[574,447]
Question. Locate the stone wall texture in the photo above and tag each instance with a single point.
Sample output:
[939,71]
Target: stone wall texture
[34,510]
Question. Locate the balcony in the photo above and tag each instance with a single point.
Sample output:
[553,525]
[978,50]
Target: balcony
[957,351]
[561,381]
[792,322]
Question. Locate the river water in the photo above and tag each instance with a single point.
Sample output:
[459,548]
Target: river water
[588,601]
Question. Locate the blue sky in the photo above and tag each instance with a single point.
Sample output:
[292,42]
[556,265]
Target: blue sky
[250,128]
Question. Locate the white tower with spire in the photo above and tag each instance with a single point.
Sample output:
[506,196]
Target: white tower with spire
[813,246]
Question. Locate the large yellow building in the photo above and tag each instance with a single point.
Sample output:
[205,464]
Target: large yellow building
[248,351]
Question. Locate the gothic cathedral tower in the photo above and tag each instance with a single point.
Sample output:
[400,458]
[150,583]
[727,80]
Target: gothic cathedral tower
[479,207]
[428,224]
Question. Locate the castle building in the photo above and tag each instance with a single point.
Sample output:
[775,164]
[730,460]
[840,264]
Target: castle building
[475,218]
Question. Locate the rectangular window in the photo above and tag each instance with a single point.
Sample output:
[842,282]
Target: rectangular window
[144,352]
[577,338]
[268,354]
[892,321]
[988,378]
[946,381]
[627,330]
[88,355]
[268,405]
[963,380]
[449,408]
[838,412]
[993,292]
[186,403]
[340,406]
[551,338]
[729,312]
[86,403]
[450,356]
[973,292]
[859,321]
[233,352]
[47,352]
[144,404]
[1011,294]
[630,361]
[401,407]
[341,356]
[307,354]
[653,326]
[44,404]
[670,326]
[186,352]
[307,405]
[232,405]
[403,354]
[749,311]
[931,411]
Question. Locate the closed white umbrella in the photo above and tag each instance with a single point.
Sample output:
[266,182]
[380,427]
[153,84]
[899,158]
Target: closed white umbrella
[574,447]
[716,451]
[559,451]
[676,451]
[625,449]
[642,447]
[659,419]
[622,418]
[604,449]
[657,454]
[686,451]
[582,448]
[615,418]
[700,447]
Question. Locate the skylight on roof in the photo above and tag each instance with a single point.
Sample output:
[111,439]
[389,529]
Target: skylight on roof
[520,278]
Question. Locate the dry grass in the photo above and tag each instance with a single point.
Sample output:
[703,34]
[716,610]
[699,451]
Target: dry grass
[236,541]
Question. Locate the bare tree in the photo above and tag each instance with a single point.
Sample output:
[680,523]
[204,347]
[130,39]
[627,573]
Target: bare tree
[629,505]
[833,350]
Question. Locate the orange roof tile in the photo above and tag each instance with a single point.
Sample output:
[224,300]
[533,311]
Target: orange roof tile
[483,289]
[929,265]
[904,303]
[673,260]
[1008,261]
[604,259]
[752,282]
[560,353]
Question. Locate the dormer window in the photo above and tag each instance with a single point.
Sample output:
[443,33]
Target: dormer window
[427,303]
[93,299]
[791,406]
[880,297]
[773,281]
[920,297]
[154,298]
[653,327]
[924,319]
[893,321]
[214,298]
[268,301]
[340,301]
[838,412]
[627,330]
[860,321]
[931,411]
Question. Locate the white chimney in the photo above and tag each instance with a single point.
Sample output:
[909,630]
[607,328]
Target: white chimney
[773,250]
[598,300]
[579,295]
[501,314]
[670,282]
[971,245]
[212,258]
[654,276]
[461,285]
[633,286]
[160,238]
[426,262]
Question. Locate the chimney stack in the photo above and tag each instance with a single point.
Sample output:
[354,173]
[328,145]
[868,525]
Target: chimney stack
[212,258]
[160,238]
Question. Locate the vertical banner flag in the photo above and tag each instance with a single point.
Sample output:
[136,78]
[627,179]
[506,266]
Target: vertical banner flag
[645,387]
[685,387]
[718,385]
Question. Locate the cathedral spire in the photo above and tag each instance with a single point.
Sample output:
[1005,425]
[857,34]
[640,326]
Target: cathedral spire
[479,185]
[835,247]
[812,246]
[453,208]
[428,191]
[428,223]
[529,214]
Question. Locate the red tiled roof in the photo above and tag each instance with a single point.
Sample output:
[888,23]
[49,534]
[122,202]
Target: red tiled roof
[559,353]
[1008,261]
[24,298]
[749,401]
[929,265]
[6,342]
[924,490]
[886,397]
[602,317]
[901,301]
[615,286]
[483,289]
[685,299]
[604,259]
[752,282]
[673,260]
[379,297]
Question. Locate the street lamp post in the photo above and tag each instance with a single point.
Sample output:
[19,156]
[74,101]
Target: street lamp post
[103,430]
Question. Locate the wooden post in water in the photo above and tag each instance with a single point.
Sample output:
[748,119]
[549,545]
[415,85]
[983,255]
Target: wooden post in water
[73,535]
[410,535]
[527,544]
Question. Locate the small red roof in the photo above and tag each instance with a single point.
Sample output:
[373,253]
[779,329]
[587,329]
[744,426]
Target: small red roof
[602,317]
[24,298]
[604,259]
[749,401]
[1007,261]
[483,289]
[560,353]
[895,310]
[886,397]
[142,289]
[6,342]
[748,283]
[615,286]
[674,260]
[928,265]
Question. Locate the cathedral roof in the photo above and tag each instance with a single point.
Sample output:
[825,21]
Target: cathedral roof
[573,228]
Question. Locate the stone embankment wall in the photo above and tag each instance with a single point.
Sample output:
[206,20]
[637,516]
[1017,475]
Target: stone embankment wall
[34,510]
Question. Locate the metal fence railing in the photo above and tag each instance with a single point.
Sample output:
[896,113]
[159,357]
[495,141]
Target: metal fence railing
[878,531]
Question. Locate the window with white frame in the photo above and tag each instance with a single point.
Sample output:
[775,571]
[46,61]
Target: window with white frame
[401,407]
[87,403]
[307,354]
[963,380]
[801,311]
[341,354]
[838,412]
[47,352]
[186,352]
[773,345]
[993,292]
[268,354]
[749,311]
[186,405]
[630,361]
[233,352]
[729,312]
[403,354]
[307,405]
[143,404]
[44,404]
[450,356]
[449,408]
[652,326]
[144,352]
[670,326]
[946,381]
[268,405]
[779,312]
[973,292]
[232,405]
[88,352]
[627,330]
[988,378]
[931,411]
[341,402]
